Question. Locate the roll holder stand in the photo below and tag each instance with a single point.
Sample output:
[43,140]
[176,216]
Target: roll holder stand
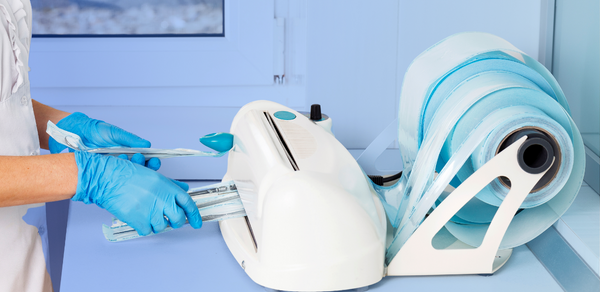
[418,256]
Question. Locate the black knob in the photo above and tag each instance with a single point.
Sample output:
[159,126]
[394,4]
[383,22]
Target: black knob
[315,112]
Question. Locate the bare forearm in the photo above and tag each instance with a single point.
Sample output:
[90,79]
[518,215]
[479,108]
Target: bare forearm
[37,179]
[43,114]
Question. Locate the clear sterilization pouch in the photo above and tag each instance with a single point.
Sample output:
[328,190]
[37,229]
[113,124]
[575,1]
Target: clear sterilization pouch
[215,202]
[74,142]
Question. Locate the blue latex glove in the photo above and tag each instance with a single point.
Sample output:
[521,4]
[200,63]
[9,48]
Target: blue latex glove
[99,134]
[135,194]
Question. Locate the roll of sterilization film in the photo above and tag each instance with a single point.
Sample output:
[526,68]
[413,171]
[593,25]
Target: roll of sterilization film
[461,102]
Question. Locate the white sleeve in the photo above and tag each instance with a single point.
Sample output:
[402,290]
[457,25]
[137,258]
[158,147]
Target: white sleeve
[21,10]
[10,72]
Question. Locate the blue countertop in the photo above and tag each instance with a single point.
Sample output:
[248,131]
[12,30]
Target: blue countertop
[198,260]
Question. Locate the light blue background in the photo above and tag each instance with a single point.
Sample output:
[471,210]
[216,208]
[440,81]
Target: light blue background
[356,53]
[356,56]
[576,64]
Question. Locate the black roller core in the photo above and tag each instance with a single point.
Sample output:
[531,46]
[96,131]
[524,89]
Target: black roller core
[535,155]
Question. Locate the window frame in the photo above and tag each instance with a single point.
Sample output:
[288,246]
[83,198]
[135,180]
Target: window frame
[243,56]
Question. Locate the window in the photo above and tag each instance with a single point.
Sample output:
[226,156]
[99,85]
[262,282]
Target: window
[127,17]
[243,56]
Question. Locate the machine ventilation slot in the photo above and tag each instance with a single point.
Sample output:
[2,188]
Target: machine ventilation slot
[286,149]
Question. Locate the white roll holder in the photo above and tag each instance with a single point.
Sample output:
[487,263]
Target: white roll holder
[418,256]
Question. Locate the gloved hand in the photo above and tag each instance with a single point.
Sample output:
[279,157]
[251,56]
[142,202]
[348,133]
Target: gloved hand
[99,134]
[136,195]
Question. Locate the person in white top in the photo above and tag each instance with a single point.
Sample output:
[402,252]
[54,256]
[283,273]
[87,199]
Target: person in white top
[131,190]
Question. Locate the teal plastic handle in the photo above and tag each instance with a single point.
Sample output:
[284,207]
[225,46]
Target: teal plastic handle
[221,142]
